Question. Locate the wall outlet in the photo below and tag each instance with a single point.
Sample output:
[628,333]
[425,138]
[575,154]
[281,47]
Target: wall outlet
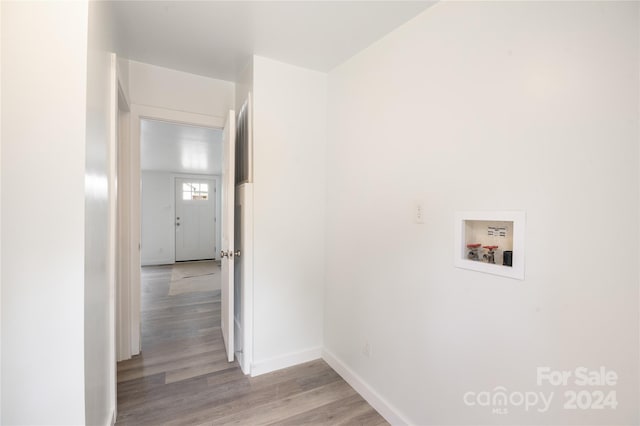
[418,213]
[366,349]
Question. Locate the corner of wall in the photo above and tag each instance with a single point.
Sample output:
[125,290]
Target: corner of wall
[123,78]
[285,361]
[451,344]
[289,144]
[99,247]
[244,84]
[381,405]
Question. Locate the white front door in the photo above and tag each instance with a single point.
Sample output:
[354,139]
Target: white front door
[195,219]
[227,252]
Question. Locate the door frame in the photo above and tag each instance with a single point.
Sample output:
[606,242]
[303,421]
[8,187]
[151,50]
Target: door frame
[139,112]
[123,273]
[216,207]
[116,97]
[244,196]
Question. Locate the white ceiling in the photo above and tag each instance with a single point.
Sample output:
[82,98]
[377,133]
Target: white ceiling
[216,38]
[179,148]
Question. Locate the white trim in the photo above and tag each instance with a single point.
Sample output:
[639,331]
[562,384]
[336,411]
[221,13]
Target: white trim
[250,136]
[217,181]
[135,227]
[179,117]
[247,276]
[112,252]
[381,405]
[113,416]
[284,361]
[123,302]
[244,197]
[237,331]
[1,218]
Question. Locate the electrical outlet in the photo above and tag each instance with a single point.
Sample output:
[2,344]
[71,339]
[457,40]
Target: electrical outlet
[419,213]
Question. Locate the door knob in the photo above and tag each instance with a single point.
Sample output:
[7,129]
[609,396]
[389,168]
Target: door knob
[223,253]
[237,253]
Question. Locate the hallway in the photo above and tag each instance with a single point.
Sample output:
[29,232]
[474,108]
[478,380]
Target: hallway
[182,376]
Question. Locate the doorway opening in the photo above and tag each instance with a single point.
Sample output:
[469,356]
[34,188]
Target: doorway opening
[176,156]
[169,274]
[180,175]
[181,171]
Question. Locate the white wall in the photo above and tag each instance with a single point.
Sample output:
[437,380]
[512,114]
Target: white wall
[289,210]
[244,85]
[158,236]
[170,89]
[99,292]
[487,106]
[43,227]
[158,212]
[0,217]
[173,93]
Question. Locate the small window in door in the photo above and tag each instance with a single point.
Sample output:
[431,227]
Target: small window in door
[195,191]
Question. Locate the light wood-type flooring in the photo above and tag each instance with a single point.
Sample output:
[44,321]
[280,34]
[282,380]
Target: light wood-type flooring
[182,376]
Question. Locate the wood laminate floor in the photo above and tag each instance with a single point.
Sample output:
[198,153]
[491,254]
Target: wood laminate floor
[182,376]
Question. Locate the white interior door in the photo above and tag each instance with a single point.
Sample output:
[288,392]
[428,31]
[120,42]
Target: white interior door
[195,219]
[227,252]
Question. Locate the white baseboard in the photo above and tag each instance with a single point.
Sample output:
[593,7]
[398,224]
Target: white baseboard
[285,361]
[382,406]
[237,337]
[111,421]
